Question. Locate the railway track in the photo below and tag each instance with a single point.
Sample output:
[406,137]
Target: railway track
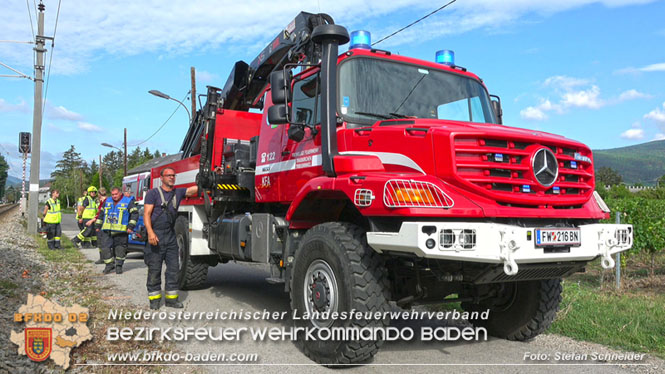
[4,208]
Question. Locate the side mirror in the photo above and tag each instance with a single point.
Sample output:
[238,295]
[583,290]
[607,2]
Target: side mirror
[496,106]
[277,114]
[280,87]
[296,132]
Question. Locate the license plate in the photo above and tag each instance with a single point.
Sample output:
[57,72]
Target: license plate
[558,238]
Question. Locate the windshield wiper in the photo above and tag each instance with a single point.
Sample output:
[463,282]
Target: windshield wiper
[375,115]
[383,116]
[400,115]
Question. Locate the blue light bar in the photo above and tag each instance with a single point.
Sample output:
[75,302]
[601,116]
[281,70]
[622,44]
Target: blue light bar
[446,57]
[361,39]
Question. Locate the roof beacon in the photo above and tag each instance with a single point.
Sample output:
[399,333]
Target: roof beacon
[446,57]
[361,39]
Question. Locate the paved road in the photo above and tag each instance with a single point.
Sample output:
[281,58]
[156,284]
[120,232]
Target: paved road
[243,287]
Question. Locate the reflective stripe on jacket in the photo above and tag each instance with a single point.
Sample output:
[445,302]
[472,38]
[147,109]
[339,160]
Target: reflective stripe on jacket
[90,210]
[116,216]
[53,214]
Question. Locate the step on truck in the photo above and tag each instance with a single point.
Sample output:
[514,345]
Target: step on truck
[369,181]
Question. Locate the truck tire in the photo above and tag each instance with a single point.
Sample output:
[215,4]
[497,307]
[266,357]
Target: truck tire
[192,274]
[522,311]
[350,276]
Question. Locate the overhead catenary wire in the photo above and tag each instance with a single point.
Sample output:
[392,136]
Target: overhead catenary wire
[162,126]
[16,71]
[413,23]
[32,27]
[16,41]
[50,59]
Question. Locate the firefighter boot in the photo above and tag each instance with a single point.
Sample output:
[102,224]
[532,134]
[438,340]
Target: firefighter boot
[76,241]
[155,304]
[172,302]
[118,267]
[101,260]
[109,268]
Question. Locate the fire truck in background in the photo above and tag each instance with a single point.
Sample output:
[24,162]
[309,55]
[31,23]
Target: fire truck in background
[368,180]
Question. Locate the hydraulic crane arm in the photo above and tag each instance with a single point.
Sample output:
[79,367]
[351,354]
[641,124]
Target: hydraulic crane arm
[247,82]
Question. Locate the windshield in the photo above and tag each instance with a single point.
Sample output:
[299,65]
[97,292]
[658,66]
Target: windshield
[371,89]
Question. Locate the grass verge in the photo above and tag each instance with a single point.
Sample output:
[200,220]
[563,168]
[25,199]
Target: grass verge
[630,321]
[74,283]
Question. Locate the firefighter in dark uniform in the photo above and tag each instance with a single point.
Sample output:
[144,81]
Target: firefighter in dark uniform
[52,219]
[117,219]
[87,211]
[159,216]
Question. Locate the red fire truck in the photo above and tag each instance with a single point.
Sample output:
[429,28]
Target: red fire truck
[369,180]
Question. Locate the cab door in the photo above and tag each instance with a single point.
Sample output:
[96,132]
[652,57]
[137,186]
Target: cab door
[302,158]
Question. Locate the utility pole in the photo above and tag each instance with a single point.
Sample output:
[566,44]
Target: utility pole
[25,158]
[193,73]
[33,196]
[125,144]
[100,172]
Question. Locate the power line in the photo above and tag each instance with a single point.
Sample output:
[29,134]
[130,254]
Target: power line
[50,59]
[32,28]
[163,124]
[413,23]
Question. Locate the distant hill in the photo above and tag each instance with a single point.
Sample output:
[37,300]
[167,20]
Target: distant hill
[12,181]
[642,163]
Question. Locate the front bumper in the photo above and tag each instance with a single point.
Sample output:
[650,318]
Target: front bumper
[499,243]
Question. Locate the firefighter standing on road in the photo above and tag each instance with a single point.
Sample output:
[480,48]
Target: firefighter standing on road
[52,219]
[117,219]
[79,219]
[87,211]
[159,216]
[101,235]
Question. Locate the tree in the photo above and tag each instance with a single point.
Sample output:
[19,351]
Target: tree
[70,175]
[3,175]
[661,182]
[608,177]
[134,158]
[11,194]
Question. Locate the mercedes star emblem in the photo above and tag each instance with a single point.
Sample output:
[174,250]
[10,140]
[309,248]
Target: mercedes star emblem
[545,167]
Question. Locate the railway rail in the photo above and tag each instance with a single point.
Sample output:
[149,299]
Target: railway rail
[4,208]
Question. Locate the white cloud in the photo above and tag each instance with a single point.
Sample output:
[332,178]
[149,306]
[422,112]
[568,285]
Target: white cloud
[533,114]
[89,127]
[22,106]
[564,82]
[659,136]
[203,76]
[645,69]
[583,99]
[575,93]
[657,114]
[632,95]
[14,159]
[60,112]
[633,134]
[128,27]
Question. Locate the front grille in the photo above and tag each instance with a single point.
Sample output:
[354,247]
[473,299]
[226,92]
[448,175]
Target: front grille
[501,169]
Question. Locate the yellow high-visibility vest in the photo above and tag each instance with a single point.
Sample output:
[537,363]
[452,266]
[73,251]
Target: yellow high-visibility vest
[53,214]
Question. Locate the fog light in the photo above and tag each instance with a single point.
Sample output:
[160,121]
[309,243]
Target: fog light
[447,238]
[430,243]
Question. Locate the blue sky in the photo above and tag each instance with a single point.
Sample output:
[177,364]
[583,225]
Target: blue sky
[590,70]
